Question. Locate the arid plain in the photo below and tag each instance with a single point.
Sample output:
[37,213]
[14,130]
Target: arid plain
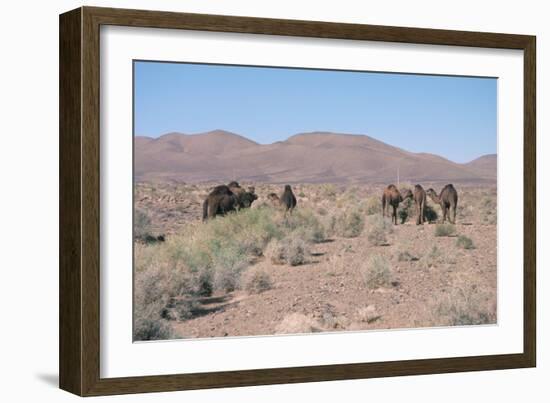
[333,264]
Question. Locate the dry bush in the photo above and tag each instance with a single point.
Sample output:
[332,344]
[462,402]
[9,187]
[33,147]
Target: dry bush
[350,224]
[372,206]
[464,242]
[488,210]
[433,257]
[142,223]
[376,272]
[405,256]
[445,230]
[329,190]
[292,250]
[305,222]
[467,306]
[297,323]
[152,293]
[257,281]
[378,229]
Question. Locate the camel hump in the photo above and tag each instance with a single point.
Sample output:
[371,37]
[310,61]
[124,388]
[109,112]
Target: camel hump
[221,190]
[418,187]
[449,186]
[233,184]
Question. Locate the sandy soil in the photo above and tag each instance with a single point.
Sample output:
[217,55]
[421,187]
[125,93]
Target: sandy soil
[448,285]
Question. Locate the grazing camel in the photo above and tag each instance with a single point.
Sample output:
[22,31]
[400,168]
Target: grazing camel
[392,197]
[224,199]
[287,200]
[447,199]
[419,196]
[220,201]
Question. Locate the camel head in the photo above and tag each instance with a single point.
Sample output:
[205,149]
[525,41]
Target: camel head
[431,192]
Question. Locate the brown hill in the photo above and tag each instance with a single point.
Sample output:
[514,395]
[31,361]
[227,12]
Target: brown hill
[307,158]
[485,166]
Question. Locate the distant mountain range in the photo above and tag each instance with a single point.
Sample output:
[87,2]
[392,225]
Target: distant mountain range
[318,157]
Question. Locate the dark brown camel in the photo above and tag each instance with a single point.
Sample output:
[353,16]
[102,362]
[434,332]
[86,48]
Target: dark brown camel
[287,200]
[392,197]
[448,200]
[219,201]
[419,196]
[223,199]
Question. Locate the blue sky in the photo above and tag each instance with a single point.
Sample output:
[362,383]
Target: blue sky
[454,117]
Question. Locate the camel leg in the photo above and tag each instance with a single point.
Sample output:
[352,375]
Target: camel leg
[454,214]
[394,216]
[422,213]
[383,206]
[212,209]
[417,211]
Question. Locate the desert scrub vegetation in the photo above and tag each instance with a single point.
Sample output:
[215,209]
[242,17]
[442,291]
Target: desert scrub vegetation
[430,214]
[307,224]
[445,230]
[210,257]
[464,242]
[372,206]
[378,229]
[376,272]
[292,250]
[142,224]
[257,281]
[406,210]
[488,210]
[297,323]
[433,257]
[467,306]
[349,224]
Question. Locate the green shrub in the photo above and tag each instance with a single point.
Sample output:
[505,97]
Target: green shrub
[406,210]
[445,230]
[430,214]
[464,242]
[305,222]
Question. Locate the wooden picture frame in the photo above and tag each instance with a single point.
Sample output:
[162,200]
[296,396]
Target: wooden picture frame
[79,346]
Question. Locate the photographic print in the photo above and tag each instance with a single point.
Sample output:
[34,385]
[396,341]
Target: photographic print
[274,200]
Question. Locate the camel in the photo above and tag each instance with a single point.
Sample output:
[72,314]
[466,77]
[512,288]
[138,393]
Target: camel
[223,199]
[392,197]
[287,200]
[447,199]
[219,201]
[419,196]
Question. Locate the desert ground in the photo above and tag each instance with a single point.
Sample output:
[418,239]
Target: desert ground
[334,264]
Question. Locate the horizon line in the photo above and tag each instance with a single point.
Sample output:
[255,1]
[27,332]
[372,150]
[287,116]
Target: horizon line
[309,133]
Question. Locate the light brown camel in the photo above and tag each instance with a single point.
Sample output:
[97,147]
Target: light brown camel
[419,201]
[448,200]
[392,197]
